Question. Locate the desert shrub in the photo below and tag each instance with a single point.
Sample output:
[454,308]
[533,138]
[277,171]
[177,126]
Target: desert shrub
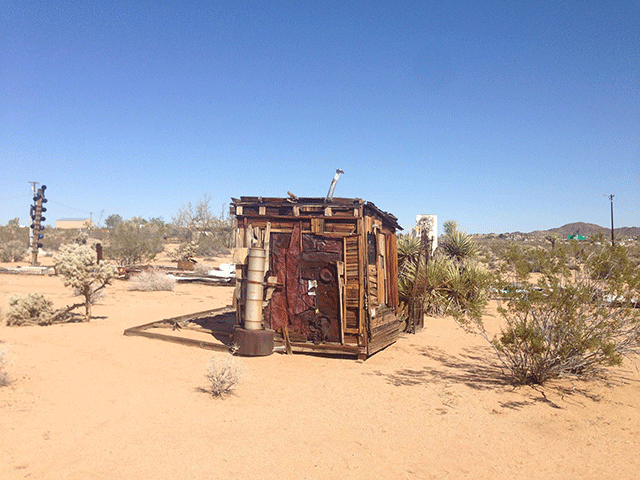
[202,269]
[185,252]
[30,309]
[151,281]
[135,241]
[4,361]
[13,251]
[13,231]
[80,270]
[450,283]
[217,243]
[113,220]
[223,374]
[456,244]
[569,323]
[212,234]
[54,238]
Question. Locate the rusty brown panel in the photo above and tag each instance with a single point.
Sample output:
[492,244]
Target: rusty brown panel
[276,313]
[295,304]
[318,262]
[318,243]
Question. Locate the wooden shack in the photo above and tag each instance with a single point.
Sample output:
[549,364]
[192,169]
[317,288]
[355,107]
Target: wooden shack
[330,275]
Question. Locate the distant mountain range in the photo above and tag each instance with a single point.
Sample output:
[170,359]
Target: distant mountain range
[588,229]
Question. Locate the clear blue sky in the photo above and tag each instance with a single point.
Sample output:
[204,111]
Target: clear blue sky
[503,115]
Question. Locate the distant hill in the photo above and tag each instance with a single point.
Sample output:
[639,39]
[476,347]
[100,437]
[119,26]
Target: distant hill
[589,229]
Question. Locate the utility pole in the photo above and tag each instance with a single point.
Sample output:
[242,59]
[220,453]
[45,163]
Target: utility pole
[33,190]
[37,209]
[613,242]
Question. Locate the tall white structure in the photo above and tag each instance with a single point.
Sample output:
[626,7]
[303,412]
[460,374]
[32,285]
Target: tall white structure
[430,224]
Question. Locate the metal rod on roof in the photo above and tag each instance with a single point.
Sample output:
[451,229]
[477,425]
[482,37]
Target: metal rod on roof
[333,184]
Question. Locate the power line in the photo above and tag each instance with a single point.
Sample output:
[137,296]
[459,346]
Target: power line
[72,208]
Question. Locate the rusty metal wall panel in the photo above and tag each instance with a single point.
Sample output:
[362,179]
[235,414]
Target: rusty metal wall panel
[309,303]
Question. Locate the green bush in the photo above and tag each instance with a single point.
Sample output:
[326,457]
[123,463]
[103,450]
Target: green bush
[13,251]
[450,283]
[569,322]
[135,241]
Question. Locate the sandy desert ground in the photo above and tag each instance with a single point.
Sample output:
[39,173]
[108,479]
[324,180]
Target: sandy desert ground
[86,402]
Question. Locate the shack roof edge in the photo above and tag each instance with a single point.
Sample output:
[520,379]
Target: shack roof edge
[245,200]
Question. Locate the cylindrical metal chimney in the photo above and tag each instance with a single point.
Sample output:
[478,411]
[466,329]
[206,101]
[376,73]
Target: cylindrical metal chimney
[255,287]
[333,184]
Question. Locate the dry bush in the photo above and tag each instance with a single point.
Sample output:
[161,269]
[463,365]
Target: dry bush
[202,269]
[13,251]
[152,281]
[31,309]
[223,374]
[4,361]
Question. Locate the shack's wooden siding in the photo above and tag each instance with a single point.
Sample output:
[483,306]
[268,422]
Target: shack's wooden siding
[365,277]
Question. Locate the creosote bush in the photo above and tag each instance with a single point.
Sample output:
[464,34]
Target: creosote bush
[135,240]
[570,322]
[13,251]
[152,281]
[223,374]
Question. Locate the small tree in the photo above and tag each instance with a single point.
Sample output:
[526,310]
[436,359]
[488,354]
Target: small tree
[79,268]
[113,220]
[212,234]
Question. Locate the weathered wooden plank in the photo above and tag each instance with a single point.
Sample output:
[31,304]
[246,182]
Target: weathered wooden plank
[174,339]
[328,348]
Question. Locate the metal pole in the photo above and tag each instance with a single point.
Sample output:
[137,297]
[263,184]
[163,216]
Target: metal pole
[613,242]
[34,258]
[33,189]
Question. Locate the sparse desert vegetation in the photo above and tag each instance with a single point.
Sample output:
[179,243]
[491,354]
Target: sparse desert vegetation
[30,309]
[152,281]
[459,381]
[223,374]
[577,317]
[4,362]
